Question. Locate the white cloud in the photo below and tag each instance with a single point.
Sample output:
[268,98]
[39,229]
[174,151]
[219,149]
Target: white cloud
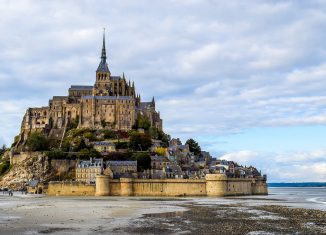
[215,68]
[244,156]
[285,167]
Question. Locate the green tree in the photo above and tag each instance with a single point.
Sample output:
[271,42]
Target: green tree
[87,153]
[143,161]
[142,122]
[108,134]
[80,145]
[121,145]
[140,142]
[73,123]
[90,136]
[16,139]
[4,167]
[164,138]
[94,153]
[56,154]
[84,153]
[159,135]
[193,146]
[37,142]
[3,149]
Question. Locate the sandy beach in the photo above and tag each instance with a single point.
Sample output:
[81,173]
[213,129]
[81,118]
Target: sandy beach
[28,214]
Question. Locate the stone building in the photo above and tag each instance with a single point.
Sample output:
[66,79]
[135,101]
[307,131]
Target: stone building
[159,162]
[104,146]
[127,169]
[111,103]
[86,171]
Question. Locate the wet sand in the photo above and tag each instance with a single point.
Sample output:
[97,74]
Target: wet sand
[134,215]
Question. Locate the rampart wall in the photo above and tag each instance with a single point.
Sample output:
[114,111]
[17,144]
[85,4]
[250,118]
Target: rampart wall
[213,185]
[59,188]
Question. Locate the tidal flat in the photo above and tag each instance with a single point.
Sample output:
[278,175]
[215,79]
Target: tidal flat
[272,214]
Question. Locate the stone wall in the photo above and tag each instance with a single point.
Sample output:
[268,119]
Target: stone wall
[213,185]
[23,156]
[167,187]
[238,187]
[70,189]
[63,165]
[259,187]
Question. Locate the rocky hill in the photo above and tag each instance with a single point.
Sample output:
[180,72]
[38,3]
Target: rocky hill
[35,166]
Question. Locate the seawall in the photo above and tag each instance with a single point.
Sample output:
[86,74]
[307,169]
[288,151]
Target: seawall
[212,185]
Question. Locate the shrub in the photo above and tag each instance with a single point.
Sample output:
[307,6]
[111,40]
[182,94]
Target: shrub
[87,153]
[121,145]
[160,151]
[142,122]
[193,146]
[16,139]
[74,123]
[56,154]
[90,136]
[109,134]
[140,142]
[4,167]
[143,160]
[117,156]
[37,142]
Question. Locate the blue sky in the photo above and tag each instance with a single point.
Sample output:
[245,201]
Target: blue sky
[246,79]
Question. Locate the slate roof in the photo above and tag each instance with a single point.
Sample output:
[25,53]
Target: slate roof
[94,163]
[115,77]
[60,97]
[102,143]
[108,97]
[80,87]
[103,67]
[33,183]
[146,104]
[121,163]
[159,158]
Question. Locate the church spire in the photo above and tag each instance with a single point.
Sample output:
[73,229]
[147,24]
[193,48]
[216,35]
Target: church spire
[103,56]
[103,66]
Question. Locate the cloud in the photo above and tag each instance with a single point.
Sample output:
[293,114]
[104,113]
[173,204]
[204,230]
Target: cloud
[284,167]
[240,156]
[215,68]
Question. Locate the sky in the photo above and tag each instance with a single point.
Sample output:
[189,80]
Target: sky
[246,79]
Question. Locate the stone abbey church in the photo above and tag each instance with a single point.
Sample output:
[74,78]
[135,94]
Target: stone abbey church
[111,103]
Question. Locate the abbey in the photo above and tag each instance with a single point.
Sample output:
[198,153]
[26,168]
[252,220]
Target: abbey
[111,103]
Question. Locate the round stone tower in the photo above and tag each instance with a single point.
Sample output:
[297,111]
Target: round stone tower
[216,184]
[102,185]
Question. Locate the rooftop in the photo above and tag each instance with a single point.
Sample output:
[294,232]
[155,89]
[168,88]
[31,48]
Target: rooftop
[108,97]
[121,163]
[80,87]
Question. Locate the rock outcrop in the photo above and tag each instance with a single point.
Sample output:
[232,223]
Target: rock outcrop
[34,167]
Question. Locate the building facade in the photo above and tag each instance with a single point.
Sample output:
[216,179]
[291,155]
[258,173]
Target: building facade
[112,103]
[86,171]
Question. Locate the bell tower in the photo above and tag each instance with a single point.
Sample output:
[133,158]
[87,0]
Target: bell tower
[102,83]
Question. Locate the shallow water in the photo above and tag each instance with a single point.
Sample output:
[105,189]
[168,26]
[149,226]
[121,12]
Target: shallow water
[29,214]
[307,197]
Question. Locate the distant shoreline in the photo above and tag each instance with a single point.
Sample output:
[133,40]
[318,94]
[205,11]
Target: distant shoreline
[295,185]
